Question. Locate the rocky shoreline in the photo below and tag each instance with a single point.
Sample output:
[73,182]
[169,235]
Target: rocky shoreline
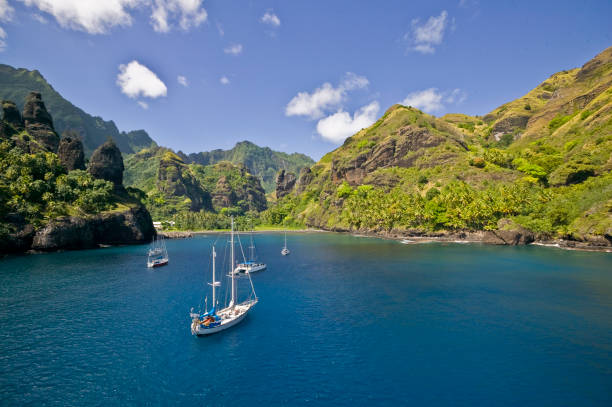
[493,237]
[132,226]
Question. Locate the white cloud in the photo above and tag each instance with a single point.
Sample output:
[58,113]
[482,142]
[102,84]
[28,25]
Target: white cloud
[234,49]
[144,105]
[456,96]
[220,29]
[312,105]
[92,16]
[353,81]
[340,125]
[2,39]
[428,100]
[431,100]
[6,14]
[39,18]
[99,16]
[426,36]
[224,80]
[182,80]
[6,11]
[189,13]
[324,98]
[270,18]
[137,80]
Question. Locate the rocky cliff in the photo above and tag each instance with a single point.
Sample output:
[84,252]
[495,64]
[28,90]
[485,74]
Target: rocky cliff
[71,152]
[38,122]
[132,226]
[174,179]
[173,186]
[106,163]
[47,201]
[285,181]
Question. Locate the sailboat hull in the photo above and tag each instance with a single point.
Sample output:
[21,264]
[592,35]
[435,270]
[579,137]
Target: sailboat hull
[157,263]
[229,318]
[250,268]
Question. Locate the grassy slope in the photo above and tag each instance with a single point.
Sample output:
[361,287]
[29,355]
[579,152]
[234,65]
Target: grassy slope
[554,138]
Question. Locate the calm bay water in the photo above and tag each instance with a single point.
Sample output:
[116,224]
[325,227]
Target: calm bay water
[341,321]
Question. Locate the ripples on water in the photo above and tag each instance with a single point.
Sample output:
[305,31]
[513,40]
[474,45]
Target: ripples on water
[341,321]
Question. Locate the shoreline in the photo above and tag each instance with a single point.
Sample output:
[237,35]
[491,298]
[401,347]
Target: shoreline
[495,238]
[406,237]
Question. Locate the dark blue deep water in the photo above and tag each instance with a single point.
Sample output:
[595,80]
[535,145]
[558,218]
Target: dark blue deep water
[341,321]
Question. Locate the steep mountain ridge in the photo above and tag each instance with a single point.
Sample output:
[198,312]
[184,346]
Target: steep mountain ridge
[537,166]
[16,84]
[173,186]
[261,161]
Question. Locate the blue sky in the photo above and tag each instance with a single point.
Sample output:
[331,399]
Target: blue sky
[292,75]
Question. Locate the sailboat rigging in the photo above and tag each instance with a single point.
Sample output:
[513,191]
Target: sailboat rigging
[250,265]
[157,254]
[212,321]
[285,251]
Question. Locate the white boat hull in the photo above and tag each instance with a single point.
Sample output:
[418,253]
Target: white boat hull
[157,263]
[229,318]
[248,268]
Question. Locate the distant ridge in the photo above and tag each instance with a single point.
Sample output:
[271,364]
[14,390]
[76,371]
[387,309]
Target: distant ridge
[262,162]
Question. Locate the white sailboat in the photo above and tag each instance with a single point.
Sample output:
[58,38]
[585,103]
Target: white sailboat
[213,321]
[158,254]
[251,265]
[285,251]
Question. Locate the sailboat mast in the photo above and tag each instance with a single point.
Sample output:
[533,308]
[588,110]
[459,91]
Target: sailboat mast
[232,266]
[252,249]
[213,279]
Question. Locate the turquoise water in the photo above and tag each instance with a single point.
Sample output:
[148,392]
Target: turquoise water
[341,321]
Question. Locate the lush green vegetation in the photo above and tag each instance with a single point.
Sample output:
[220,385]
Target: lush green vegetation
[262,162]
[192,195]
[37,188]
[542,162]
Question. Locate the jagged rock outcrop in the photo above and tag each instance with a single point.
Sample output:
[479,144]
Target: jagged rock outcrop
[390,152]
[11,115]
[223,196]
[174,179]
[38,122]
[19,239]
[70,153]
[106,163]
[236,187]
[304,179]
[284,183]
[509,124]
[129,227]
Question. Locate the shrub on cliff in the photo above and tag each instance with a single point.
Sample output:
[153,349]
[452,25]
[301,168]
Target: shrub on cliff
[37,187]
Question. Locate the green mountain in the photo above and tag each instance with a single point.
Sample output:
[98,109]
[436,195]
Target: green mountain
[174,188]
[539,166]
[16,84]
[262,162]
